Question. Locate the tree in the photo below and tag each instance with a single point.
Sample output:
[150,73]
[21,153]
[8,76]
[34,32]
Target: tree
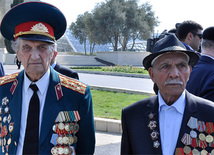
[7,42]
[115,22]
[79,30]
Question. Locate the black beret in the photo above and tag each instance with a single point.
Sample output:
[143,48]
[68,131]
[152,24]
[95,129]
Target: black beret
[208,33]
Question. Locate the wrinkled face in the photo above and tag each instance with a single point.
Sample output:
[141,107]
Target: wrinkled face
[35,57]
[170,72]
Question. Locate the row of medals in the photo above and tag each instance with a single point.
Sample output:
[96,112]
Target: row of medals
[201,139]
[6,126]
[64,137]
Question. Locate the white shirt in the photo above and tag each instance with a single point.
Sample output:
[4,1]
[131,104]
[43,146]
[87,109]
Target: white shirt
[170,118]
[27,93]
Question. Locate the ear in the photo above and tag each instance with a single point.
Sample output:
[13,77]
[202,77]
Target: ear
[189,36]
[151,73]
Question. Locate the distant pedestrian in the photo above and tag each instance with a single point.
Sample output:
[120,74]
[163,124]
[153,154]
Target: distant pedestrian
[18,63]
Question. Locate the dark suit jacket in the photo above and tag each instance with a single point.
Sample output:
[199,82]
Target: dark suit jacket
[66,71]
[72,99]
[136,137]
[201,81]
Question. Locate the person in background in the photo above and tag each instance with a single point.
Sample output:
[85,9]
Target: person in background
[61,69]
[201,81]
[2,73]
[190,34]
[174,121]
[18,63]
[42,111]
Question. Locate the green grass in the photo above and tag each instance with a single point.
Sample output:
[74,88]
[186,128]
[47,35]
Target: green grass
[119,69]
[109,104]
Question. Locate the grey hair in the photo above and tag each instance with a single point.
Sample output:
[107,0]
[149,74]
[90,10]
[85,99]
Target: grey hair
[15,45]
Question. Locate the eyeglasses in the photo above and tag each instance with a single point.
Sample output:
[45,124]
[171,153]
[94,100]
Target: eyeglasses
[199,35]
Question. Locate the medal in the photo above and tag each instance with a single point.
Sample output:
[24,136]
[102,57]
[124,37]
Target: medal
[66,150]
[6,110]
[61,116]
[186,139]
[201,126]
[9,118]
[202,137]
[76,127]
[209,130]
[61,126]
[187,149]
[204,152]
[212,152]
[65,140]
[71,140]
[60,140]
[75,138]
[152,125]
[11,127]
[209,138]
[156,144]
[194,143]
[67,127]
[60,150]
[54,139]
[179,151]
[154,135]
[54,150]
[193,124]
[9,141]
[195,152]
[151,116]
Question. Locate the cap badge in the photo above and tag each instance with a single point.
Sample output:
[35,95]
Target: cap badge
[39,28]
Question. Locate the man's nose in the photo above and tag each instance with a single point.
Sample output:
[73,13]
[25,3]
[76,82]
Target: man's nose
[34,54]
[174,72]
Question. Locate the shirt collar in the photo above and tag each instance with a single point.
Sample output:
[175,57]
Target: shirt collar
[42,83]
[189,47]
[179,105]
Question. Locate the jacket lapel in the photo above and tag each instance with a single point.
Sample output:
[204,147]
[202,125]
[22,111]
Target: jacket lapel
[51,108]
[190,110]
[15,104]
[153,110]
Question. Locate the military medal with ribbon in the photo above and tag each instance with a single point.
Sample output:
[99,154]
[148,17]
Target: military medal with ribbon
[193,124]
[186,140]
[209,130]
[65,128]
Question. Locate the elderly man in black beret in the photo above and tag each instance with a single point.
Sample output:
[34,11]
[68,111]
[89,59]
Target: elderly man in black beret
[174,121]
[201,82]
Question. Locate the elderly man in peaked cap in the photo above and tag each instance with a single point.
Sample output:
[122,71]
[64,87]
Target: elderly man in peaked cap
[174,121]
[201,82]
[42,111]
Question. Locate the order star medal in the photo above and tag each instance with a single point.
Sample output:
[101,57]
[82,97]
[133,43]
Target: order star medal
[193,124]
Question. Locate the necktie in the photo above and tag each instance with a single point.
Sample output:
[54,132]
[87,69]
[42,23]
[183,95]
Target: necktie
[31,141]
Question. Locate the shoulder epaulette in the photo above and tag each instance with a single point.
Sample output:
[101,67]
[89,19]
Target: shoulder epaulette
[8,78]
[73,84]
